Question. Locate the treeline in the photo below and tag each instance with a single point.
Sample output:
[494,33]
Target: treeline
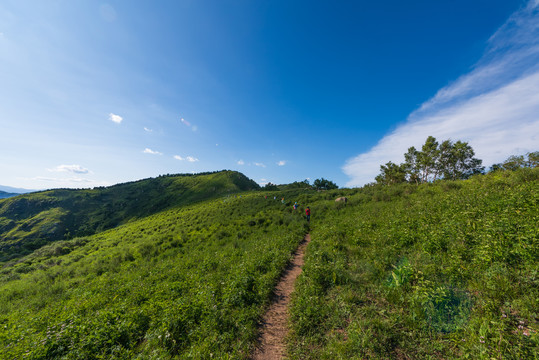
[514,162]
[447,160]
[318,184]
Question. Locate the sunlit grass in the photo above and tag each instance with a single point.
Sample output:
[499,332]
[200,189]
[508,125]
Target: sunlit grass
[445,270]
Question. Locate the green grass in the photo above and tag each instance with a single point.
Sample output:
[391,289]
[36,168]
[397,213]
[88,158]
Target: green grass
[30,221]
[445,270]
[437,271]
[185,283]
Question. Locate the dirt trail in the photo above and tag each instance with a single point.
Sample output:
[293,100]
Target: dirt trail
[275,323]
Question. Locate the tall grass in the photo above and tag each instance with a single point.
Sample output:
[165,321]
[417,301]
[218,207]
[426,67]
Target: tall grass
[444,270]
[185,283]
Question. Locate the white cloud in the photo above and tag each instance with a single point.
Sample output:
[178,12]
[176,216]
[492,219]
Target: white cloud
[260,164]
[76,169]
[115,118]
[61,180]
[241,162]
[150,151]
[147,129]
[495,107]
[72,182]
[187,158]
[282,163]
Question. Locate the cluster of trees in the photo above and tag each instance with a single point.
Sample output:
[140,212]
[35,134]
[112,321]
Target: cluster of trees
[318,184]
[530,160]
[446,160]
[323,184]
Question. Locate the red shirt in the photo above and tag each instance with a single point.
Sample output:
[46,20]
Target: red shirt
[307,211]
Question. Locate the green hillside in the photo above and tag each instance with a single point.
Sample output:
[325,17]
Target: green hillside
[437,271]
[443,270]
[186,282]
[30,221]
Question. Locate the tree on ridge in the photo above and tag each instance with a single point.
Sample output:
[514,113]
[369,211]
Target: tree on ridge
[448,160]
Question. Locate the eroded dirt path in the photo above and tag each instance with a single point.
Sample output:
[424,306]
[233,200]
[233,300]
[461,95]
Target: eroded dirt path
[275,323]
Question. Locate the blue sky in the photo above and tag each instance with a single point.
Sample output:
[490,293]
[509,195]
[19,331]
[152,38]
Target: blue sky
[96,93]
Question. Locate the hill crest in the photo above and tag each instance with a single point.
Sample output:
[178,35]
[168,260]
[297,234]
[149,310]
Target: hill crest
[30,221]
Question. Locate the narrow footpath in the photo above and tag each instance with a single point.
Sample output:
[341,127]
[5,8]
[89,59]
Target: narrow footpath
[271,344]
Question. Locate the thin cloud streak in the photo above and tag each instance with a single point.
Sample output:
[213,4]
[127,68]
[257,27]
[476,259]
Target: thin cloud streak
[76,180]
[76,169]
[495,107]
[152,152]
[187,158]
[71,182]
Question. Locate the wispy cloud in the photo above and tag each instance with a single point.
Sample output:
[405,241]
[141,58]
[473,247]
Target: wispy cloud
[152,152]
[147,129]
[187,158]
[282,163]
[115,118]
[260,164]
[63,180]
[494,107]
[76,169]
[74,182]
[241,162]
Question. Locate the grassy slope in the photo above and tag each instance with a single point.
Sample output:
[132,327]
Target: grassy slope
[185,283]
[29,221]
[446,270]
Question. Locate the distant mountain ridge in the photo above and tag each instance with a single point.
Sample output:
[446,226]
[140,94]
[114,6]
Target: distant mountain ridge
[13,190]
[5,195]
[30,221]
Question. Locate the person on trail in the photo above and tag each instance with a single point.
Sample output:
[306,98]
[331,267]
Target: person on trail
[295,205]
[308,213]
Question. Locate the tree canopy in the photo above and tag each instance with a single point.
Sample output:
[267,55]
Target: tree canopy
[448,160]
[323,184]
[514,162]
